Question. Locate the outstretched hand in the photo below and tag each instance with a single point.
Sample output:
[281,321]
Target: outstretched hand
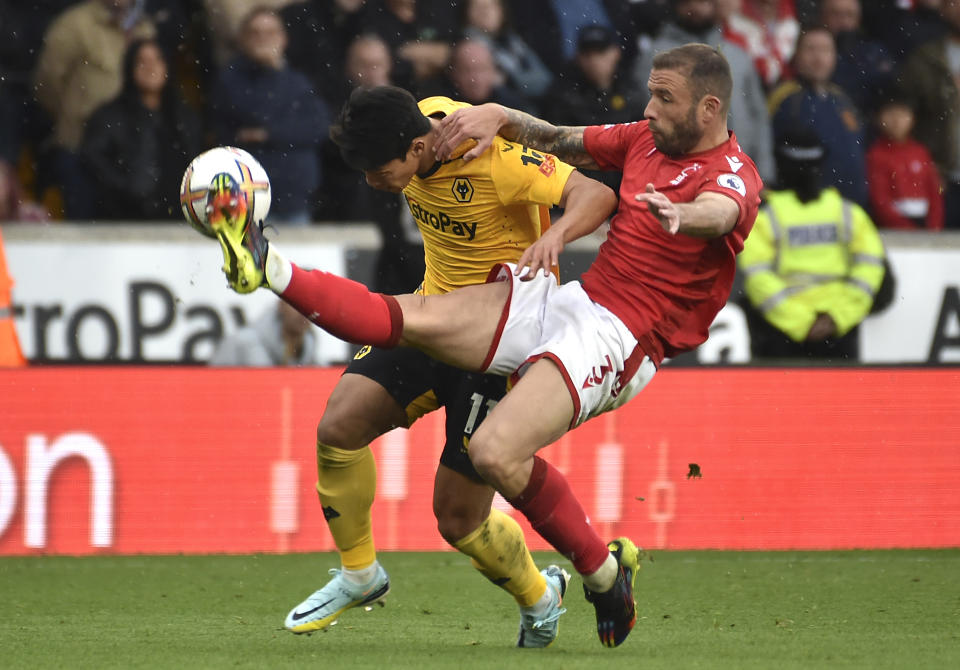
[479,123]
[661,207]
[543,254]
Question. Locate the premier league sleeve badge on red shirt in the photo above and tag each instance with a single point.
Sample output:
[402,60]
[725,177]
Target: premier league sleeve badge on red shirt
[734,183]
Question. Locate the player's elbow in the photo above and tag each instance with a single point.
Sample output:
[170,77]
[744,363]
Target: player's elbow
[593,196]
[610,200]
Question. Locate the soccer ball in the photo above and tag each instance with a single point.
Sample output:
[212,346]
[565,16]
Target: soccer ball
[224,171]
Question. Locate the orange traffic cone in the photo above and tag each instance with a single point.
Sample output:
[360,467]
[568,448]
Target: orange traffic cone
[10,354]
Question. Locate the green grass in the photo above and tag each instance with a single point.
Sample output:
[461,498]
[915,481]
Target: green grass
[877,609]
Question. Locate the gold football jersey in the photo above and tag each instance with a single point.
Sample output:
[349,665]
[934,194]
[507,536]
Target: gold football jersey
[477,214]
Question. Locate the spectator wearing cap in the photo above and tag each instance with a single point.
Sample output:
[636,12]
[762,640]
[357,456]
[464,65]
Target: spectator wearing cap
[590,91]
[905,188]
[551,27]
[813,262]
[811,98]
[700,21]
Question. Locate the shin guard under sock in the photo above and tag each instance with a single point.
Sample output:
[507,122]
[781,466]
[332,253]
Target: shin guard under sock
[554,512]
[500,554]
[347,483]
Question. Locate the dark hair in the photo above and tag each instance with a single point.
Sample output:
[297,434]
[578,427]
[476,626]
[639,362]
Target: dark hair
[377,125]
[130,94]
[704,67]
[808,29]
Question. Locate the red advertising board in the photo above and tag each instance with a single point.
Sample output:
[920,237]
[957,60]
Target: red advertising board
[169,460]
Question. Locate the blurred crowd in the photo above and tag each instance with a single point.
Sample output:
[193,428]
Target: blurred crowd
[850,109]
[103,102]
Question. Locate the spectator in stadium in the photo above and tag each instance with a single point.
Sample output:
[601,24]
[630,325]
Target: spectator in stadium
[138,144]
[646,18]
[224,19]
[281,336]
[905,187]
[419,34]
[929,80]
[810,98]
[592,92]
[319,34]
[399,266]
[551,27]
[768,31]
[812,264]
[77,71]
[863,66]
[903,25]
[22,29]
[699,21]
[524,72]
[472,77]
[14,205]
[260,104]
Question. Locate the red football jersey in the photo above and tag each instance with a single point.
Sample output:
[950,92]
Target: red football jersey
[666,288]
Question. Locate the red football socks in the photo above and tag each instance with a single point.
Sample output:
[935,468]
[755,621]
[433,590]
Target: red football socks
[345,308]
[554,512]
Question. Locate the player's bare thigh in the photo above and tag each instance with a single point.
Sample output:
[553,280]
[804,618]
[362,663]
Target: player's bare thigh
[358,411]
[456,327]
[536,412]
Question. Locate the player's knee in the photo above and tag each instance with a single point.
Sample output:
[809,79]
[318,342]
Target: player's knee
[489,455]
[455,522]
[335,433]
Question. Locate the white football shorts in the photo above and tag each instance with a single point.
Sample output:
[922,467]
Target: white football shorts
[596,353]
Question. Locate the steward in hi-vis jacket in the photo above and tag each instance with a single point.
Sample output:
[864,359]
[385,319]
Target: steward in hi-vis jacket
[812,264]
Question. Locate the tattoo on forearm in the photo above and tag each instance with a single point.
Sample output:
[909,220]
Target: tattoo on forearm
[564,142]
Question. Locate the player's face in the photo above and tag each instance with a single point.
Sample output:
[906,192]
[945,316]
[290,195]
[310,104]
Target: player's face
[393,176]
[672,113]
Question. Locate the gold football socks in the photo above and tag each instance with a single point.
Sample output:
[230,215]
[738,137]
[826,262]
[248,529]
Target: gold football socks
[347,483]
[500,553]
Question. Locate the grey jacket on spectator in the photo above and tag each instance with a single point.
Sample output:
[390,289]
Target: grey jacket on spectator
[260,344]
[520,64]
[748,106]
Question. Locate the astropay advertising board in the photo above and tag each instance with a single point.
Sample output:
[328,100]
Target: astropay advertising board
[149,294]
[922,324]
[137,299]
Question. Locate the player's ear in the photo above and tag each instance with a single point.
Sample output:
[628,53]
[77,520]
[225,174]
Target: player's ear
[417,147]
[710,108]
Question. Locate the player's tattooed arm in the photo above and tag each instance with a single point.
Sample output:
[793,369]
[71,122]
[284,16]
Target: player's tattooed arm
[482,122]
[564,142]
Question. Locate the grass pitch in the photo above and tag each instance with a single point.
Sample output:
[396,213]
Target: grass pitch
[865,609]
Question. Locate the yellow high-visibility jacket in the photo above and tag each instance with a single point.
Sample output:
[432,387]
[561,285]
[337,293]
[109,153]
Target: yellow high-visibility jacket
[801,259]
